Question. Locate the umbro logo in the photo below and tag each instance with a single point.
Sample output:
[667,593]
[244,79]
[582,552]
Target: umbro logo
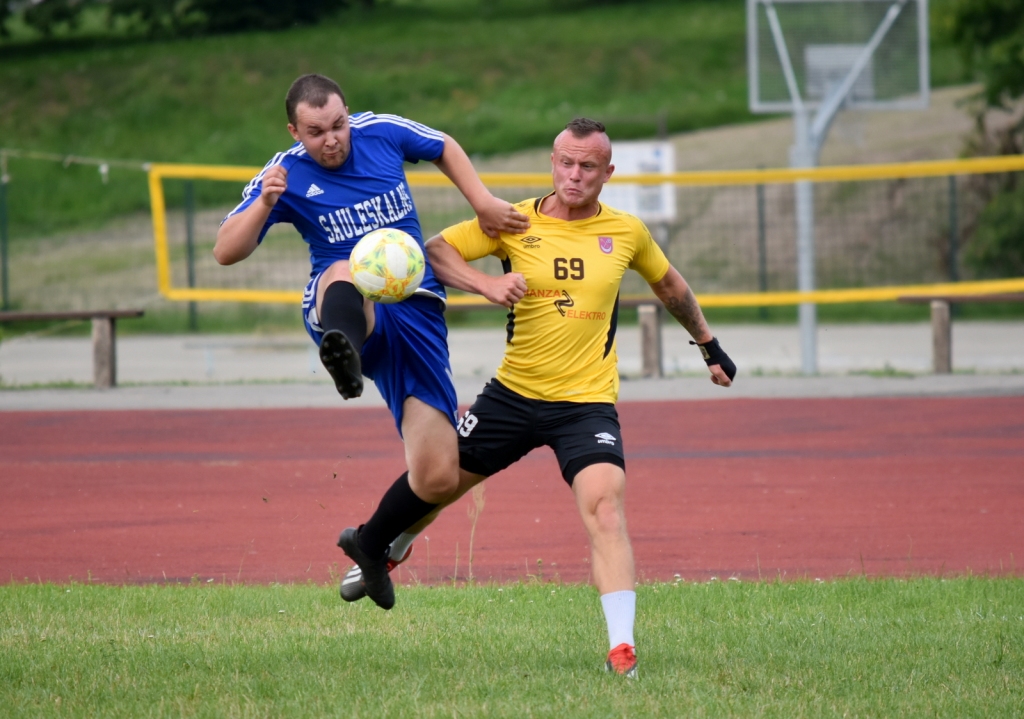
[313,191]
[530,240]
[605,438]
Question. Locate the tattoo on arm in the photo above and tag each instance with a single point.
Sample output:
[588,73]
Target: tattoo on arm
[686,310]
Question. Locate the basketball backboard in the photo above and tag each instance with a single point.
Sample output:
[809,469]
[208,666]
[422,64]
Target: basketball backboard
[823,39]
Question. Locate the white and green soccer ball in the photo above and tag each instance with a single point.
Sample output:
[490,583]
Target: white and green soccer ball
[387,265]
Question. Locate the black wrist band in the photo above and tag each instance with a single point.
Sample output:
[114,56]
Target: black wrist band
[713,353]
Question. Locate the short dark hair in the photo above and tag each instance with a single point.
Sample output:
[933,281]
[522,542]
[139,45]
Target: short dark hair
[584,127]
[314,90]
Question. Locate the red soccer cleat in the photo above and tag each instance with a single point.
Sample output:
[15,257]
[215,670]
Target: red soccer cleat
[622,660]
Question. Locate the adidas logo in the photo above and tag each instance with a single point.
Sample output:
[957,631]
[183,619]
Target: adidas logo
[313,191]
[605,438]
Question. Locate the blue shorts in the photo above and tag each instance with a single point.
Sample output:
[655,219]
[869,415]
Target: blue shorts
[406,355]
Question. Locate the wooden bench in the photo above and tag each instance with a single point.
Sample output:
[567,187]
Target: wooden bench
[942,334]
[104,355]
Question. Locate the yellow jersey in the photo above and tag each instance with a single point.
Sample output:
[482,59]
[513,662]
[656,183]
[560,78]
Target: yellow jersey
[560,343]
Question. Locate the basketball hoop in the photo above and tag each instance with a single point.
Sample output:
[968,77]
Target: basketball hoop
[820,56]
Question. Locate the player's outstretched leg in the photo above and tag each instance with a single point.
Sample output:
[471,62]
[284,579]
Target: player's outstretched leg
[341,360]
[376,581]
[431,453]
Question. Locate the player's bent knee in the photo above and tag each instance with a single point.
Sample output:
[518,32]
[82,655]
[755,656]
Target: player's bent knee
[435,482]
[434,489]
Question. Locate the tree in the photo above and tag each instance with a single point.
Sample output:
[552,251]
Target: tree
[237,15]
[179,17]
[990,34]
[47,14]
[997,248]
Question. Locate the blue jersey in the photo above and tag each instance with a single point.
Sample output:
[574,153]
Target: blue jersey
[333,209]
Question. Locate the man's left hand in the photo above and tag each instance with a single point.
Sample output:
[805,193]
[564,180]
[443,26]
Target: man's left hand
[499,216]
[721,367]
[718,375]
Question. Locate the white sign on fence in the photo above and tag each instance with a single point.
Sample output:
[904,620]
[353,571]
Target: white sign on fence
[651,203]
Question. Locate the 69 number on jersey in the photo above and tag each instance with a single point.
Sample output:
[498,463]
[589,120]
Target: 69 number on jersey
[569,269]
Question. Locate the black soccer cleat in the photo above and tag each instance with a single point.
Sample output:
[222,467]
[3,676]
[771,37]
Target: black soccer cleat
[352,587]
[376,580]
[342,362]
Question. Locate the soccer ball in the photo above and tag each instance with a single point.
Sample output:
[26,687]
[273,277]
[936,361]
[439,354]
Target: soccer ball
[387,265]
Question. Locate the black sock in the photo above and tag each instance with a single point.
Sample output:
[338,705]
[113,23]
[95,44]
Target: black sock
[342,309]
[399,509]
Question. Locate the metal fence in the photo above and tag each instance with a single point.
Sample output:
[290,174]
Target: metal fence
[877,227]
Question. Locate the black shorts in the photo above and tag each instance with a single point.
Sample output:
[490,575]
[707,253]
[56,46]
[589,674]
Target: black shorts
[502,427]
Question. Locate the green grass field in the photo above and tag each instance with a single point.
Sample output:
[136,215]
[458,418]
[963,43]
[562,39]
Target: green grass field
[856,647]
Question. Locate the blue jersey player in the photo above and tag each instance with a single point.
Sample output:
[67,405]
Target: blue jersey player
[341,179]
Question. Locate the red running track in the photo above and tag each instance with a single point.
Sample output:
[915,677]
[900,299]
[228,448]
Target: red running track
[744,488]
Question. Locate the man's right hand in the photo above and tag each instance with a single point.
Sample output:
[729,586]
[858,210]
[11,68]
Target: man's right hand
[497,216]
[275,182]
[505,290]
[239,234]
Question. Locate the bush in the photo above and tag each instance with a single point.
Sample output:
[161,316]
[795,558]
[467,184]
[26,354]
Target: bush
[180,17]
[47,14]
[239,15]
[997,248]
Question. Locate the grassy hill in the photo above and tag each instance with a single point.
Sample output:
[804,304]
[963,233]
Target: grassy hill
[499,77]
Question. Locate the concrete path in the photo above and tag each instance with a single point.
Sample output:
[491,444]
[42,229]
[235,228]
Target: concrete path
[199,371]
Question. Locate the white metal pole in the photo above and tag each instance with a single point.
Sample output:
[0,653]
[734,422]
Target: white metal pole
[808,311]
[802,154]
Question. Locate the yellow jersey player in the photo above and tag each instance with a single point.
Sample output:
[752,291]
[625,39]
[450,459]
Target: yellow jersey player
[558,382]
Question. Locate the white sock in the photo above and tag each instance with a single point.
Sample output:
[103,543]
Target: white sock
[619,613]
[401,545]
